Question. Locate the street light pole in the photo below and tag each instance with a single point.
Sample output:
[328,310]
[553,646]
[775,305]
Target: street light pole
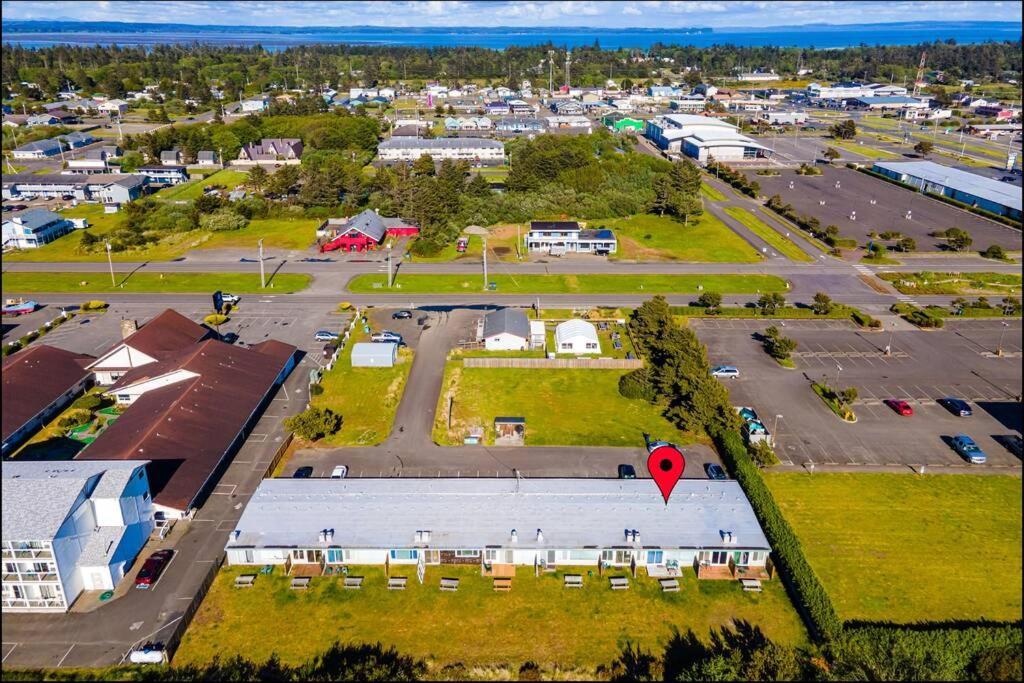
[999,349]
[110,262]
[484,238]
[389,265]
[892,335]
[263,277]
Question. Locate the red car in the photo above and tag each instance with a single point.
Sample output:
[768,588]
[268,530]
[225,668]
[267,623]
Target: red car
[152,568]
[901,407]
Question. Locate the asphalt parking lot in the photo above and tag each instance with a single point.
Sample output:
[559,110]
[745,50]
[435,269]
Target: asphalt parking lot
[855,193]
[958,361]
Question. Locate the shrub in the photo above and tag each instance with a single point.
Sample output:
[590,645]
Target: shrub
[223,219]
[995,252]
[315,389]
[864,320]
[637,385]
[94,305]
[89,402]
[763,455]
[314,423]
[215,319]
[924,319]
[73,419]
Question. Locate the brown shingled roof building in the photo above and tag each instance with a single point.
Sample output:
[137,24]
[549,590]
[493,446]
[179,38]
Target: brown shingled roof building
[189,407]
[37,383]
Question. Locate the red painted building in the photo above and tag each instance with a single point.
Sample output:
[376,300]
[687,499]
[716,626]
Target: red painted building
[363,232]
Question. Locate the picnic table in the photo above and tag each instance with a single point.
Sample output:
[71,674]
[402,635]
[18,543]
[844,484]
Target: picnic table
[751,585]
[503,584]
[573,581]
[245,581]
[669,585]
[300,583]
[353,582]
[397,583]
[449,585]
[619,583]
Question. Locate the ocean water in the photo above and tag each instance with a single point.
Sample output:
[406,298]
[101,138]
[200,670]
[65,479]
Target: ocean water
[818,36]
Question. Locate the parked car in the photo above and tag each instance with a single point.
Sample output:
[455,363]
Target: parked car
[152,568]
[325,336]
[230,298]
[67,197]
[329,349]
[715,471]
[401,315]
[956,406]
[966,447]
[148,653]
[901,407]
[339,472]
[627,472]
[723,371]
[385,337]
[304,472]
[462,244]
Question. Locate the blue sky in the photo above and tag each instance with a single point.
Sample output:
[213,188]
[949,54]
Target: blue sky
[614,14]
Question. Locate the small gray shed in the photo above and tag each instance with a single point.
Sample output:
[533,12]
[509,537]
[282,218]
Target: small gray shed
[370,355]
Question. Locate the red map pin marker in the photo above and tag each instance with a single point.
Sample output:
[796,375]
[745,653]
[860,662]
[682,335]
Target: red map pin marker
[666,465]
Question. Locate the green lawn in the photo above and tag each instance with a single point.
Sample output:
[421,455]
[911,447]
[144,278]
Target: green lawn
[561,407]
[366,398]
[473,252]
[228,177]
[906,548]
[237,283]
[777,241]
[995,284]
[537,620]
[649,237]
[569,284]
[283,233]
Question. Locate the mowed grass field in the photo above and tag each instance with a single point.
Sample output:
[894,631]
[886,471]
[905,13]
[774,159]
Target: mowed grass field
[906,548]
[229,178]
[561,407]
[569,284]
[537,620]
[99,283]
[777,241]
[366,398]
[705,239]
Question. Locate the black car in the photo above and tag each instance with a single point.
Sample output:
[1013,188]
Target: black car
[401,315]
[956,406]
[303,473]
[715,471]
[627,472]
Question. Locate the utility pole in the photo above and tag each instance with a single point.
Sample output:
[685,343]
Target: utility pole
[389,266]
[484,238]
[999,349]
[568,61]
[551,72]
[263,277]
[110,263]
[892,336]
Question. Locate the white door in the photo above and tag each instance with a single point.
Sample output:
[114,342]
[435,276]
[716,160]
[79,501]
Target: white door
[97,581]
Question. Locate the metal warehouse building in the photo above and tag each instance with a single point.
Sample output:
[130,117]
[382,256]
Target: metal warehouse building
[984,193]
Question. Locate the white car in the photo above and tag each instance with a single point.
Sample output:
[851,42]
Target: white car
[725,371]
[339,472]
[150,653]
[230,298]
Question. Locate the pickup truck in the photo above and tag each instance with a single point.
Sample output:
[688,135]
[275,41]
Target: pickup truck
[19,307]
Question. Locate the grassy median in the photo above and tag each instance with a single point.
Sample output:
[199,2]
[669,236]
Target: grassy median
[162,283]
[908,548]
[569,284]
[773,238]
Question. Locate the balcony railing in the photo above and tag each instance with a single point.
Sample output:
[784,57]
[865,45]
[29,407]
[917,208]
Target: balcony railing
[30,577]
[30,603]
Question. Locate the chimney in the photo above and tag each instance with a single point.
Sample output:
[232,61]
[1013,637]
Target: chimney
[540,536]
[322,536]
[329,535]
[515,536]
[128,328]
[636,536]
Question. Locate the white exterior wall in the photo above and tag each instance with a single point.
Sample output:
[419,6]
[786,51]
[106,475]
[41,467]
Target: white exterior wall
[110,368]
[98,578]
[506,342]
[127,395]
[577,344]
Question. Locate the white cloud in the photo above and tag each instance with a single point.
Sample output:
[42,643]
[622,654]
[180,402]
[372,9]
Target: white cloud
[629,9]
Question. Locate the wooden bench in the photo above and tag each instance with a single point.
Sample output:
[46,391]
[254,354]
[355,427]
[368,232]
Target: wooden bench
[353,582]
[300,583]
[669,585]
[397,583]
[503,584]
[573,581]
[450,585]
[751,585]
[245,581]
[619,583]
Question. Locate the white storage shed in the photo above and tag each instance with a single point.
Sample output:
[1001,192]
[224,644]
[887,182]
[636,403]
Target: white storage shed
[371,355]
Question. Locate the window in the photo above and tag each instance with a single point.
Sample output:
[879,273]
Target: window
[468,553]
[405,554]
[299,555]
[249,557]
[714,557]
[655,556]
[336,555]
[591,345]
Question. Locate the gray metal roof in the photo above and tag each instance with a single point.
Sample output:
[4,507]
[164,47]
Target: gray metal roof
[35,219]
[39,495]
[1004,194]
[439,143]
[369,223]
[50,144]
[510,320]
[471,513]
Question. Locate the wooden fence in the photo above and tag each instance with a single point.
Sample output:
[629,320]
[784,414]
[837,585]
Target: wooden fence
[564,363]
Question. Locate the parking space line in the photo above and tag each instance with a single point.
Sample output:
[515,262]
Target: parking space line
[13,646]
[65,655]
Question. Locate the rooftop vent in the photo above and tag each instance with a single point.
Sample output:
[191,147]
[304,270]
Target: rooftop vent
[423,536]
